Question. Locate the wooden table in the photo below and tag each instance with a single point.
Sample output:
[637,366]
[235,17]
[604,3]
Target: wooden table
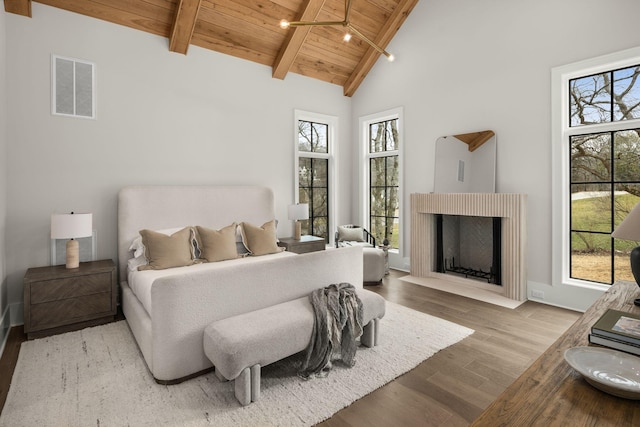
[59,299]
[304,245]
[552,393]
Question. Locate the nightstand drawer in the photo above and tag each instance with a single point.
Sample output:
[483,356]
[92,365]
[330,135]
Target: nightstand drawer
[56,313]
[309,247]
[303,245]
[70,287]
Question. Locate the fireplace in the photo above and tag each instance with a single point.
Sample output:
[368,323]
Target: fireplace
[469,246]
[510,209]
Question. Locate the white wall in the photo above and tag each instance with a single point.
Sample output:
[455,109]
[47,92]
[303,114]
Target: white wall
[464,66]
[162,118]
[4,312]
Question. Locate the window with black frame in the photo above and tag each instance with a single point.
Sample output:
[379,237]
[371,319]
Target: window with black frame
[384,178]
[313,176]
[604,171]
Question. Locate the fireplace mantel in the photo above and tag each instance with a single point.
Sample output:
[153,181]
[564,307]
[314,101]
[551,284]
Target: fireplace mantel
[510,207]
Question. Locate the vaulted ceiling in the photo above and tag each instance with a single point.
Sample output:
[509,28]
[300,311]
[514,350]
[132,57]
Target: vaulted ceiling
[250,29]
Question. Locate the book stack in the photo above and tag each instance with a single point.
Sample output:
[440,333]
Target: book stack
[619,330]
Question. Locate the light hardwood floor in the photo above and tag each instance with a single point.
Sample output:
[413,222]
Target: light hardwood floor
[449,389]
[456,384]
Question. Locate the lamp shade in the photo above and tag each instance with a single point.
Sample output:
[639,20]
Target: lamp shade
[71,226]
[299,211]
[629,228]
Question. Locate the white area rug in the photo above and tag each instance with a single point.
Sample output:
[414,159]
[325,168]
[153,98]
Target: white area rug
[96,377]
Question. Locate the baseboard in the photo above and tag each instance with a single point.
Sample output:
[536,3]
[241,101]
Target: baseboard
[5,324]
[17,313]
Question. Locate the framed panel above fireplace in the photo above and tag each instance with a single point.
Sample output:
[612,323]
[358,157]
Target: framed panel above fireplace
[466,163]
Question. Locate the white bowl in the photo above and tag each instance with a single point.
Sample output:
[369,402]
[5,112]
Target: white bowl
[611,371]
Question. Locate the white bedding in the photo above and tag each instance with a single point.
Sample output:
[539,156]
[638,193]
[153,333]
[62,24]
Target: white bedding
[141,282]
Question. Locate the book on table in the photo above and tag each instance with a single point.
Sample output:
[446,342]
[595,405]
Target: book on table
[614,344]
[618,325]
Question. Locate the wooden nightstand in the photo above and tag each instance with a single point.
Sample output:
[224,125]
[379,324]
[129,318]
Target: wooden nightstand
[304,245]
[57,299]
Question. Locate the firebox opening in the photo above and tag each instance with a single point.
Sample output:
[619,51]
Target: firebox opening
[469,246]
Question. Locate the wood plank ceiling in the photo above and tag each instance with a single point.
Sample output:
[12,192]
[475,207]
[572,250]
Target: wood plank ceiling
[249,29]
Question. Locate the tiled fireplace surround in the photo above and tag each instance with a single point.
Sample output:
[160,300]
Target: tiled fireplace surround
[510,207]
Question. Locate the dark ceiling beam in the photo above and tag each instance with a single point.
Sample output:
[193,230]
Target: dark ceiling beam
[19,7]
[183,25]
[370,57]
[295,39]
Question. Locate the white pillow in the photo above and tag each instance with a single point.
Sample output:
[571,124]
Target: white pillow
[136,262]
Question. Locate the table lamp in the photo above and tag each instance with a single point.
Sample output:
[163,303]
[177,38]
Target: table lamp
[298,212]
[71,226]
[629,229]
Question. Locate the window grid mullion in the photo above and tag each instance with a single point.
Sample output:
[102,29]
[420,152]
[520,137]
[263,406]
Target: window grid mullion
[612,189]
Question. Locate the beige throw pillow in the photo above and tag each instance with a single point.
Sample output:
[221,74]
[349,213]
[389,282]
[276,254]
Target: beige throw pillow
[260,240]
[217,245]
[350,234]
[163,251]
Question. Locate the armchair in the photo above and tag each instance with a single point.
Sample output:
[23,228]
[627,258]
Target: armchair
[354,235]
[373,258]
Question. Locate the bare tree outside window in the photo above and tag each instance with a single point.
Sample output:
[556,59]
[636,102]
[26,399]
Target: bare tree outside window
[605,173]
[313,174]
[384,172]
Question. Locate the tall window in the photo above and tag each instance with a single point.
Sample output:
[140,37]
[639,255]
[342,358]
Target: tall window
[603,143]
[383,160]
[314,134]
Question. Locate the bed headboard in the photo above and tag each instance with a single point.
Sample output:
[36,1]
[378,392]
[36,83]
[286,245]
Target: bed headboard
[162,207]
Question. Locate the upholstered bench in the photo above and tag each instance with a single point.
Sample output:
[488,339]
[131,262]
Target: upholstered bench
[238,346]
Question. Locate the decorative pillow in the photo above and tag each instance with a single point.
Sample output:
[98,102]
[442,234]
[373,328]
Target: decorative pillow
[260,240]
[164,251]
[350,234]
[138,247]
[217,245]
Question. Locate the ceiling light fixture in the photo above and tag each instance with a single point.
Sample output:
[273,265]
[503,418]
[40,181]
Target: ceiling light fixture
[284,24]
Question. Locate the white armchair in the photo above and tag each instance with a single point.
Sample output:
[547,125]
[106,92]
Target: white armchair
[354,235]
[373,258]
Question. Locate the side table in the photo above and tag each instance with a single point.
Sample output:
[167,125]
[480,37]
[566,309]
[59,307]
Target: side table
[385,249]
[57,299]
[304,245]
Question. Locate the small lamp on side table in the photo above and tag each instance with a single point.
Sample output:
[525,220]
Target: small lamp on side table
[297,213]
[629,229]
[71,226]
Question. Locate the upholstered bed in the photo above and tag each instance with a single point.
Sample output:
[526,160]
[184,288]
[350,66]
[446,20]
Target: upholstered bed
[168,309]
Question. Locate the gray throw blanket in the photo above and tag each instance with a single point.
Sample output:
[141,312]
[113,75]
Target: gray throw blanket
[337,326]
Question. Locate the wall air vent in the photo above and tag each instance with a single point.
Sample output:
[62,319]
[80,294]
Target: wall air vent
[73,87]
